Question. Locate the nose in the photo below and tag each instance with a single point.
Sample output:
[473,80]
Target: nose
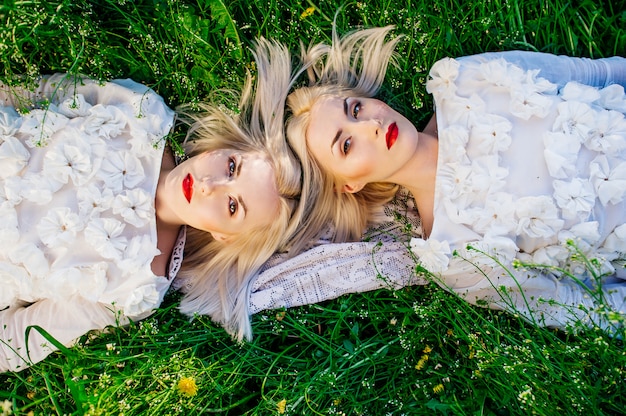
[209,185]
[371,128]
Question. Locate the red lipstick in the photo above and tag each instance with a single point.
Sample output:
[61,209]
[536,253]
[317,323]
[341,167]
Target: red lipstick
[392,135]
[188,187]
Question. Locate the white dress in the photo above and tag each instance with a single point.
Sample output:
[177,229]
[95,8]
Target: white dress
[78,174]
[528,172]
[531,185]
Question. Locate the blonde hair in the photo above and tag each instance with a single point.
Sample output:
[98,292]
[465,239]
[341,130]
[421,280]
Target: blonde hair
[354,64]
[217,276]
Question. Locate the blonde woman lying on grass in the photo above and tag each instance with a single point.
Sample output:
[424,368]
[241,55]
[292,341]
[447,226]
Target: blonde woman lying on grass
[519,180]
[96,211]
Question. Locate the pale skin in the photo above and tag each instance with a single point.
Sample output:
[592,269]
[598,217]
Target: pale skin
[223,192]
[363,140]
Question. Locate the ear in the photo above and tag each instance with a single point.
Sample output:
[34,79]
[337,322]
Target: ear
[352,188]
[224,238]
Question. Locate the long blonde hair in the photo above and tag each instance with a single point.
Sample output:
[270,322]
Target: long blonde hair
[217,276]
[354,65]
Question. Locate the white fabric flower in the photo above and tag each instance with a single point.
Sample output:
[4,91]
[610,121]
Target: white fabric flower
[92,200]
[105,235]
[9,121]
[144,142]
[487,177]
[9,228]
[135,206]
[608,134]
[143,299]
[68,158]
[527,103]
[40,125]
[574,91]
[453,141]
[561,152]
[609,181]
[465,111]
[104,121]
[575,118]
[616,241]
[537,218]
[500,73]
[613,98]
[121,170]
[32,258]
[553,255]
[59,227]
[433,255]
[576,198]
[585,235]
[456,183]
[538,84]
[496,248]
[491,135]
[497,217]
[443,74]
[13,280]
[139,254]
[75,106]
[89,281]
[38,188]
[13,157]
[12,194]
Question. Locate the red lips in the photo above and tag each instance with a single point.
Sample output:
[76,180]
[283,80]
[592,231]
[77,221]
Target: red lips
[392,135]
[188,187]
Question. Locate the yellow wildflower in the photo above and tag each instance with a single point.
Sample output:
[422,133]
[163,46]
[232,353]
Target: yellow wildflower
[308,12]
[420,364]
[438,388]
[281,406]
[427,349]
[187,386]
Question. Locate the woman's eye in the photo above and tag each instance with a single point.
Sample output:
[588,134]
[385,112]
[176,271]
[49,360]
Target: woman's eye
[232,206]
[356,109]
[232,166]
[346,145]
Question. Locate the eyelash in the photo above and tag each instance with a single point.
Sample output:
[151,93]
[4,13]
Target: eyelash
[232,168]
[356,108]
[345,148]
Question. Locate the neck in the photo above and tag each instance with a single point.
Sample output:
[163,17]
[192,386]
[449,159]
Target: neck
[164,216]
[419,176]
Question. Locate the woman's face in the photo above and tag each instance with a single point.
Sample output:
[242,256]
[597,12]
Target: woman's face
[224,192]
[359,140]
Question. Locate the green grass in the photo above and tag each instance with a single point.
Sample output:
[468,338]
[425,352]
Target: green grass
[411,352]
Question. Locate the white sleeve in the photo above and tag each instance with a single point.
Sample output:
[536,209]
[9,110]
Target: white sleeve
[331,270]
[539,297]
[133,97]
[65,320]
[561,69]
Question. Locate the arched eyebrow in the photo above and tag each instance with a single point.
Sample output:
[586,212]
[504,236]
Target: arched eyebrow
[340,131]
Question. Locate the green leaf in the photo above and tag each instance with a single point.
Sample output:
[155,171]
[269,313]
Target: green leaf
[226,22]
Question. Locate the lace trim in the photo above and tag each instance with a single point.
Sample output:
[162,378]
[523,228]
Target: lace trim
[177,254]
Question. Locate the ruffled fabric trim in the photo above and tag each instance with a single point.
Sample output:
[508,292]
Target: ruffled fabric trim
[472,183]
[77,183]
